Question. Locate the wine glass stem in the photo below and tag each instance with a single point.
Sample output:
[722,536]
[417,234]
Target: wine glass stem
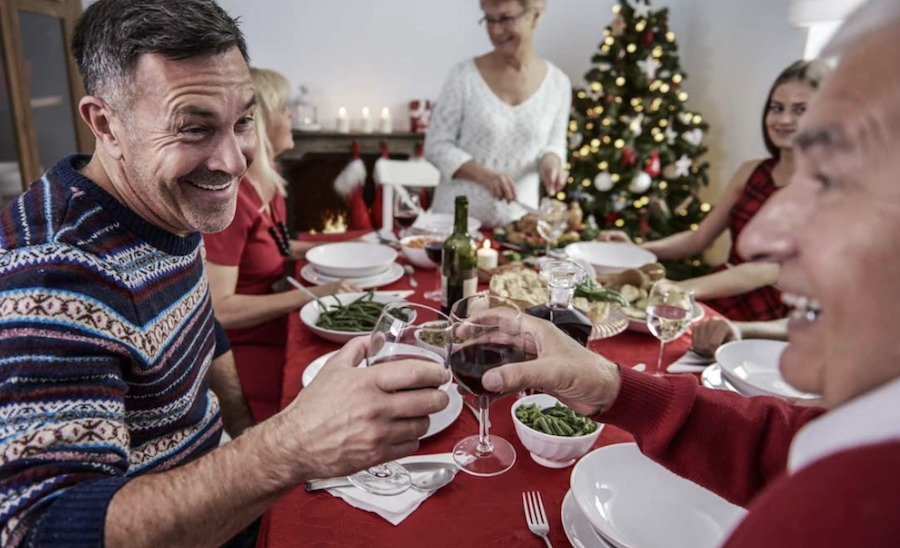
[662,347]
[484,441]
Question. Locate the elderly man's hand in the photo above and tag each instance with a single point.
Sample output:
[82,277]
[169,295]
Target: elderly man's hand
[710,335]
[583,380]
[351,418]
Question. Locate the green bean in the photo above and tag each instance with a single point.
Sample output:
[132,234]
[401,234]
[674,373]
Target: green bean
[357,316]
[558,420]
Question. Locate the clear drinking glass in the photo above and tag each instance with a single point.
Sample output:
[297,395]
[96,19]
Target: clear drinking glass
[487,333]
[404,331]
[407,207]
[552,221]
[670,309]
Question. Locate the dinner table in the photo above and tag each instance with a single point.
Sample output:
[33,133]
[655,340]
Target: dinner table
[470,511]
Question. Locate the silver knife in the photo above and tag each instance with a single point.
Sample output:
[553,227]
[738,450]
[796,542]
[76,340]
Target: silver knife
[333,483]
[396,294]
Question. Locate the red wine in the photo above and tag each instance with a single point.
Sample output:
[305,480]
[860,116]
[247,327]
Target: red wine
[570,321]
[470,363]
[406,219]
[434,250]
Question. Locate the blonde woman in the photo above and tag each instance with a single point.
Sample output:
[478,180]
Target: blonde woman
[499,128]
[245,261]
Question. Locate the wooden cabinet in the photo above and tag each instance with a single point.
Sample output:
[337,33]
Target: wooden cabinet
[39,90]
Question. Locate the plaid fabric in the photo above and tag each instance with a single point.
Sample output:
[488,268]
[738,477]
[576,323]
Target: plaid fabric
[765,303]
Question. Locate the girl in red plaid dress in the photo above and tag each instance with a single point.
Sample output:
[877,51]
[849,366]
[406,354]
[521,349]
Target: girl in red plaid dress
[744,291]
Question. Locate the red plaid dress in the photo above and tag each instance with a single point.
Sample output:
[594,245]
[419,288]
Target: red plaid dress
[764,303]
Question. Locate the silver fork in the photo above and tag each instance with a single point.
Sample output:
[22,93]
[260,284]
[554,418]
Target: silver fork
[535,516]
[410,271]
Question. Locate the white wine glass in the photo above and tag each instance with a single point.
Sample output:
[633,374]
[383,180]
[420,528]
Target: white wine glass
[552,221]
[670,309]
[404,331]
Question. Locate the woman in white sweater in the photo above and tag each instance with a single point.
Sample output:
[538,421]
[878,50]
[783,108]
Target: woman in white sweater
[498,130]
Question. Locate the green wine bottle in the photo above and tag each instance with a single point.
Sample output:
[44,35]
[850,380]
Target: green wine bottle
[459,267]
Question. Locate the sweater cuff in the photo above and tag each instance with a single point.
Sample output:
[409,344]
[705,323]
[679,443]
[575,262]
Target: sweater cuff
[642,404]
[77,518]
[223,345]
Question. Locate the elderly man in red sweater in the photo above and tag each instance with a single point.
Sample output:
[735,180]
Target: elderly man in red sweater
[809,477]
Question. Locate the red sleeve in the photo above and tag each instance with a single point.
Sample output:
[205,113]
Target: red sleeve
[847,499]
[728,443]
[227,247]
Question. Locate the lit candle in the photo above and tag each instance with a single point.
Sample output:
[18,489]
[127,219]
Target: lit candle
[387,124]
[488,256]
[367,125]
[343,123]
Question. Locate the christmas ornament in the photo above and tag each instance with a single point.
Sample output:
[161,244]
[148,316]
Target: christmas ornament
[619,203]
[629,157]
[604,66]
[694,137]
[645,226]
[665,74]
[653,167]
[575,140]
[641,9]
[686,118]
[649,66]
[683,166]
[618,26]
[636,125]
[669,172]
[611,218]
[641,183]
[603,181]
[648,38]
[671,135]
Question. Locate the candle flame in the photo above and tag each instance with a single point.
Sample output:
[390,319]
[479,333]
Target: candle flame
[365,112]
[487,244]
[385,112]
[342,112]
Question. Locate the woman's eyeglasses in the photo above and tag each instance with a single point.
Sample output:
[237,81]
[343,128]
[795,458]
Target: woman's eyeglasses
[503,21]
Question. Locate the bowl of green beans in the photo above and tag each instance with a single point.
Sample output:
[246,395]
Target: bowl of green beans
[339,318]
[554,435]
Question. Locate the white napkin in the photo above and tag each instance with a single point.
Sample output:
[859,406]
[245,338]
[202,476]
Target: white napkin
[395,508]
[691,362]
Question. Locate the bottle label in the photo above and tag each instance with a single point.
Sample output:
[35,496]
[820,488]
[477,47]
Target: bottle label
[449,295]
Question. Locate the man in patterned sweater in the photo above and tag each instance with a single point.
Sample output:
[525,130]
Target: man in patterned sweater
[108,425]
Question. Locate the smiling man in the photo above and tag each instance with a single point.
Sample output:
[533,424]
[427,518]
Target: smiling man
[808,477]
[114,379]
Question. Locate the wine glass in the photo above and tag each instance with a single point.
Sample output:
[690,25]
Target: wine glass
[552,221]
[407,207]
[404,331]
[434,250]
[487,333]
[670,309]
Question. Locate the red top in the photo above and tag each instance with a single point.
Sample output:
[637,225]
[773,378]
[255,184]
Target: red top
[248,245]
[738,448]
[764,303]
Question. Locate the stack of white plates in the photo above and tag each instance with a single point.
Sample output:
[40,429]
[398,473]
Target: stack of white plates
[620,498]
[367,265]
[750,367]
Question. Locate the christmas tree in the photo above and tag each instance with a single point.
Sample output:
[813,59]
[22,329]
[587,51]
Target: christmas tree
[634,146]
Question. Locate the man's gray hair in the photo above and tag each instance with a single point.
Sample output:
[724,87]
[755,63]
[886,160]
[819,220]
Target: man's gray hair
[871,17]
[111,35]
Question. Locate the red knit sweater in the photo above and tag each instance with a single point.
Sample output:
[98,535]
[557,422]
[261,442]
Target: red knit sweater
[738,447]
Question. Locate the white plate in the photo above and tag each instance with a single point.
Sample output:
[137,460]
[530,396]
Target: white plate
[440,421]
[441,222]
[313,276]
[610,256]
[752,367]
[578,528]
[712,378]
[635,503]
[640,326]
[351,259]
[310,312]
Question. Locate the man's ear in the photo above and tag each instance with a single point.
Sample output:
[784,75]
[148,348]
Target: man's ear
[99,116]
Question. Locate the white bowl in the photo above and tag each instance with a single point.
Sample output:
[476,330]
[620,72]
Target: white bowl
[442,222]
[636,503]
[608,257]
[547,450]
[416,255]
[351,259]
[752,366]
[309,315]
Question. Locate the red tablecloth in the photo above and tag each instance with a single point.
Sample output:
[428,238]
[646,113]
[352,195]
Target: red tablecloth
[471,511]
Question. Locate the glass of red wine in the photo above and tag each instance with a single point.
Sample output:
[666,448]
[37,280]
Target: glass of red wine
[404,331]
[406,209]
[487,333]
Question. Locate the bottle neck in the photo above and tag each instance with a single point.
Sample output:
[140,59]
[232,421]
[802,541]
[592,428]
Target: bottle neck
[561,297]
[462,218]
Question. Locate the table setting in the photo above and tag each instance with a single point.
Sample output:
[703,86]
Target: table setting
[448,493]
